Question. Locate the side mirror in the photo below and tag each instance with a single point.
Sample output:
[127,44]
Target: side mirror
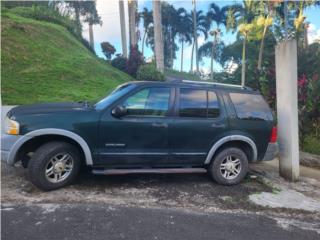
[119,111]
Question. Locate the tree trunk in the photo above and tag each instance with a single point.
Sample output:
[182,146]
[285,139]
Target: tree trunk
[143,41]
[158,41]
[305,36]
[195,35]
[243,71]
[261,48]
[181,56]
[91,40]
[123,29]
[212,57]
[132,9]
[191,67]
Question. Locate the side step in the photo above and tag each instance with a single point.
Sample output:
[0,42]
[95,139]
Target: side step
[151,170]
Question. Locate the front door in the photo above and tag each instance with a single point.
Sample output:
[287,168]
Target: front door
[199,123]
[140,138]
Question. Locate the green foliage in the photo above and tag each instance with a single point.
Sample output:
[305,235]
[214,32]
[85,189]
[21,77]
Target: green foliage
[134,61]
[148,72]
[107,49]
[43,62]
[120,62]
[52,15]
[174,74]
[311,144]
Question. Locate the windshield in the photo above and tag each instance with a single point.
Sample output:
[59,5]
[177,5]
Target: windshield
[114,95]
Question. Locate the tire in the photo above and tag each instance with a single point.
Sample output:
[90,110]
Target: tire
[58,159]
[225,173]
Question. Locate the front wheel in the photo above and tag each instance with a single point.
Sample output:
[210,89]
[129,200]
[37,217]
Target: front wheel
[229,167]
[54,165]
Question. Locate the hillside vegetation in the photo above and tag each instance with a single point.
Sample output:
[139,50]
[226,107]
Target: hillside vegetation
[43,62]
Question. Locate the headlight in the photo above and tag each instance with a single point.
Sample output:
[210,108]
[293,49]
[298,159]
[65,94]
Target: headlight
[11,126]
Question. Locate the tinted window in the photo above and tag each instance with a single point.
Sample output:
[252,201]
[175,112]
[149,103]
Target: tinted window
[117,93]
[213,105]
[250,106]
[149,101]
[193,103]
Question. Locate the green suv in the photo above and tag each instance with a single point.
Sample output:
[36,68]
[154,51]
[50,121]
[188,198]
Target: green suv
[157,127]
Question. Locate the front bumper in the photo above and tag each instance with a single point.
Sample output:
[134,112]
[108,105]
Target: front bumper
[271,152]
[7,146]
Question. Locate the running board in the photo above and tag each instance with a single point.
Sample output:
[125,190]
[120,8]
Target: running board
[151,170]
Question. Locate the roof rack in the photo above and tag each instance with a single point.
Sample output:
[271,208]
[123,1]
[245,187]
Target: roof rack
[215,83]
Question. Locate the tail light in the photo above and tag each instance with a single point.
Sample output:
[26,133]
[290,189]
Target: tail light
[274,135]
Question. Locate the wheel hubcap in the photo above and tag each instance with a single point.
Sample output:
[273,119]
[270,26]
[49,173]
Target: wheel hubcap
[59,168]
[230,167]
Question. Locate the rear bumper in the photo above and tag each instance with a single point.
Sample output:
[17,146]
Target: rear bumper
[271,152]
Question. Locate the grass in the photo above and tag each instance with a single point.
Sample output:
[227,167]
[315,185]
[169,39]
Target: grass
[311,145]
[43,62]
[181,75]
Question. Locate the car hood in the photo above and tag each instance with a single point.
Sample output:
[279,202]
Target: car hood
[48,108]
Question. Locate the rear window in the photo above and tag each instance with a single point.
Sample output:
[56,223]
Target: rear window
[251,106]
[198,103]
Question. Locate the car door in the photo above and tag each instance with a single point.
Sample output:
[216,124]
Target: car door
[140,138]
[199,121]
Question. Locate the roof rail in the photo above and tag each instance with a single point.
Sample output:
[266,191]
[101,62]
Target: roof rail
[215,83]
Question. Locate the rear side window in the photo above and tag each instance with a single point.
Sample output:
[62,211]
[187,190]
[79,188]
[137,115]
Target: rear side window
[251,106]
[198,103]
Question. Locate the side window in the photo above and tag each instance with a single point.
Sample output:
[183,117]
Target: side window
[251,106]
[149,102]
[193,103]
[213,105]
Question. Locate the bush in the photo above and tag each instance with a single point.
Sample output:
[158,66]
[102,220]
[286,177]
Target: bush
[149,72]
[120,63]
[134,61]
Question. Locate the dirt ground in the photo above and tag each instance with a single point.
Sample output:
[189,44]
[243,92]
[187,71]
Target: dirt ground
[194,192]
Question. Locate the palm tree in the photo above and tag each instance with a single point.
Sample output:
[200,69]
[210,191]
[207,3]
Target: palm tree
[147,21]
[158,41]
[202,27]
[123,29]
[218,16]
[184,29]
[243,16]
[195,33]
[132,10]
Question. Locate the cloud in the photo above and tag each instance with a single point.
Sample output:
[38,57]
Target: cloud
[313,33]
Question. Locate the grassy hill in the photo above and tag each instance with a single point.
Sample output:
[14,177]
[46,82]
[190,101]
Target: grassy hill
[43,62]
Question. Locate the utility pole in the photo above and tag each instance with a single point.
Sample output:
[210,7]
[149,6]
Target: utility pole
[123,29]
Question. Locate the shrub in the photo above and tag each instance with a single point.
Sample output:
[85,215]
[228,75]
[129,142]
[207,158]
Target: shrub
[149,72]
[120,63]
[134,61]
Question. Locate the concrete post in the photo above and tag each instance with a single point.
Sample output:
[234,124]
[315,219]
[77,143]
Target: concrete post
[287,108]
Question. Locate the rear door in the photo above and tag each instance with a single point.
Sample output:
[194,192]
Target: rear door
[199,121]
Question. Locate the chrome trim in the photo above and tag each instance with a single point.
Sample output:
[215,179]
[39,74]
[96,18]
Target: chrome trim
[228,139]
[191,154]
[133,153]
[50,131]
[115,145]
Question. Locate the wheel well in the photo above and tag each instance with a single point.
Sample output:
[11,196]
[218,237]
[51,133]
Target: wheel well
[244,146]
[28,148]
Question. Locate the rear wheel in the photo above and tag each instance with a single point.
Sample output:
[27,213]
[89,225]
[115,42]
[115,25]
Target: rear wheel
[229,167]
[54,165]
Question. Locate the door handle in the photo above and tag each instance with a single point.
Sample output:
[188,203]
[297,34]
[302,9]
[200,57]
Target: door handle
[160,125]
[218,125]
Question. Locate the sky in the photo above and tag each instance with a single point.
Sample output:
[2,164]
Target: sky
[109,31]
